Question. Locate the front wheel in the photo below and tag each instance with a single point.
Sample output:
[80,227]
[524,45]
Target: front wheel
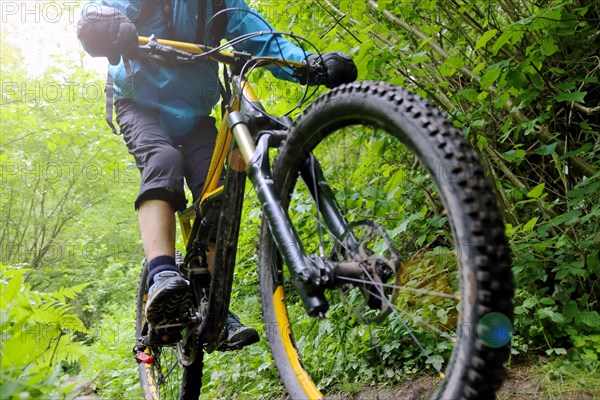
[435,298]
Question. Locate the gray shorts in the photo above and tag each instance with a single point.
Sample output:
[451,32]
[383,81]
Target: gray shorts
[165,161]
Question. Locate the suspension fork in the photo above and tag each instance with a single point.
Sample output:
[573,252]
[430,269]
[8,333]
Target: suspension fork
[304,269]
[312,175]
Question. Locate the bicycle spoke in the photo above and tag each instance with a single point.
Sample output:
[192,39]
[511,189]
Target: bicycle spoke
[174,364]
[396,310]
[412,316]
[323,226]
[416,319]
[416,341]
[399,287]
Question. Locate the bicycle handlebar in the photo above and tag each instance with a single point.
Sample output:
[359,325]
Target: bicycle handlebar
[189,51]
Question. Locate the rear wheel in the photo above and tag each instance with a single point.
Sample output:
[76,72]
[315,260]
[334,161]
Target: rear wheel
[176,371]
[422,221]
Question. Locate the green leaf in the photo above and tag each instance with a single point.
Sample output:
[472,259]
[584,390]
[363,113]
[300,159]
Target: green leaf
[530,302]
[546,150]
[575,96]
[515,155]
[583,190]
[509,36]
[548,47]
[547,301]
[455,62]
[557,70]
[582,149]
[485,38]
[516,78]
[501,41]
[567,86]
[490,76]
[424,42]
[590,318]
[11,290]
[394,182]
[481,142]
[570,310]
[536,192]
[593,263]
[470,95]
[568,218]
[529,225]
[478,67]
[547,312]
[445,70]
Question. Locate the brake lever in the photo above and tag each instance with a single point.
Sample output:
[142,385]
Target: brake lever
[316,72]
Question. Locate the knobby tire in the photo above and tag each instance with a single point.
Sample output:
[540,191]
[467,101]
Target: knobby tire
[457,217]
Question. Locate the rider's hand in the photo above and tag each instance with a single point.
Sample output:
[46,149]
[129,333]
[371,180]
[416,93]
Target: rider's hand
[332,69]
[105,32]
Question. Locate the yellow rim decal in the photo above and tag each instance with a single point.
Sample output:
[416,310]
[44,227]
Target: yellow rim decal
[152,392]
[283,326]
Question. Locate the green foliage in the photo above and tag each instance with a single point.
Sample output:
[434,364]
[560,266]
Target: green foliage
[557,266]
[563,378]
[67,218]
[39,332]
[519,77]
[111,367]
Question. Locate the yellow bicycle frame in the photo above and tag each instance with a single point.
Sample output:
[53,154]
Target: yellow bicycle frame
[217,163]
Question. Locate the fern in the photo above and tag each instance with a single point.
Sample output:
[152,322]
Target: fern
[63,294]
[38,332]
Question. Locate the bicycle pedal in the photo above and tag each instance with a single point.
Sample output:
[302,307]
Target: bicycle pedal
[166,334]
[169,326]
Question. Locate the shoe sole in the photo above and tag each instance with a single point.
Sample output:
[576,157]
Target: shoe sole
[241,339]
[169,302]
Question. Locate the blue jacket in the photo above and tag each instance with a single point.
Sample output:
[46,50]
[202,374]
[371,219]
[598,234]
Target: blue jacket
[184,94]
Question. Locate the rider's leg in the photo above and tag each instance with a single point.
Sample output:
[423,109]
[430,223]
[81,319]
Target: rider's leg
[169,296]
[163,162]
[161,193]
[157,225]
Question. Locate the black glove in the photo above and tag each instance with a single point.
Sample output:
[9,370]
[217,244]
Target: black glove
[330,69]
[105,32]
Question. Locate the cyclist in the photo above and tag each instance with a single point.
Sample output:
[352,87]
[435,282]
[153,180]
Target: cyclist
[164,117]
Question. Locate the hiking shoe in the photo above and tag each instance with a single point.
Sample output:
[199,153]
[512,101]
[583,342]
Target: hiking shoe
[238,334]
[169,298]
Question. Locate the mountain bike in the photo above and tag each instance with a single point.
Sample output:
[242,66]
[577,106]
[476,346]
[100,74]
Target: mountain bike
[382,250]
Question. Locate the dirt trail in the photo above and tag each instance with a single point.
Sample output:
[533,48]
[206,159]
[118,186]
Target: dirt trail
[518,386]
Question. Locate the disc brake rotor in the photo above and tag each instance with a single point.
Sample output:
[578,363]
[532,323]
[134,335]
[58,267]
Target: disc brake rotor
[367,243]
